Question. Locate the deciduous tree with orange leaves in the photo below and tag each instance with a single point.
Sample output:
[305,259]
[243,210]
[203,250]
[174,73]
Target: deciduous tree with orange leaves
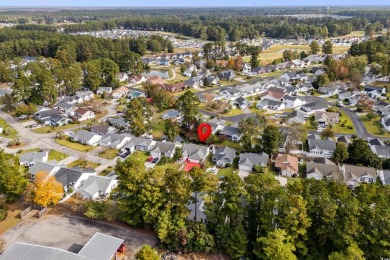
[47,189]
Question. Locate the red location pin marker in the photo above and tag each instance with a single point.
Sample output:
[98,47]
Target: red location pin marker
[204,131]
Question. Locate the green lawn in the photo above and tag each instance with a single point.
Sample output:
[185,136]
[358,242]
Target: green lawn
[157,126]
[78,163]
[48,129]
[56,155]
[106,171]
[5,125]
[374,126]
[12,219]
[175,166]
[230,143]
[142,155]
[76,146]
[233,112]
[28,150]
[346,120]
[108,153]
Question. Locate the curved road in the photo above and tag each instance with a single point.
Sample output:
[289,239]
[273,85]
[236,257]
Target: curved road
[47,141]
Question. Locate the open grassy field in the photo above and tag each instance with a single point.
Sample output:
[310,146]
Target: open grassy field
[276,51]
[76,146]
[56,155]
[106,171]
[157,125]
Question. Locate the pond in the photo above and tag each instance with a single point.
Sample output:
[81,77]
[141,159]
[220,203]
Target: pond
[161,73]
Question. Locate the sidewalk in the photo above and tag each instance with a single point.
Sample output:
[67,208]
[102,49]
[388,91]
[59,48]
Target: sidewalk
[67,160]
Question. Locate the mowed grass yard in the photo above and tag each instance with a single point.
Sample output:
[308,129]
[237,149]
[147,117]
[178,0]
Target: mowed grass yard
[75,146]
[4,125]
[79,163]
[374,126]
[346,121]
[48,129]
[53,154]
[13,217]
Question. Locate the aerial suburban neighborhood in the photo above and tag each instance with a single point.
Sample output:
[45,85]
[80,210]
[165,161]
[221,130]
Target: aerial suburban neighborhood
[104,155]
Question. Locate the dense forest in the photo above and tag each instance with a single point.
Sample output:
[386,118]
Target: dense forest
[209,23]
[254,218]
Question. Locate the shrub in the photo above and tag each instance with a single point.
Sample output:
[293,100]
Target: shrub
[350,127]
[3,212]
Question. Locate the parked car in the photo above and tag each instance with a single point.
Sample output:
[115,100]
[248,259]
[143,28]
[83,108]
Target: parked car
[22,117]
[155,160]
[150,159]
[124,153]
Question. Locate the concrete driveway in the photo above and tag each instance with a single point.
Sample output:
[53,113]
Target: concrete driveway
[72,233]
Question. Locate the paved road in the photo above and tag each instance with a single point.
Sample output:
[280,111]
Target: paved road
[71,233]
[47,141]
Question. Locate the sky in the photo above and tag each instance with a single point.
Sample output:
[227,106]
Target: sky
[151,3]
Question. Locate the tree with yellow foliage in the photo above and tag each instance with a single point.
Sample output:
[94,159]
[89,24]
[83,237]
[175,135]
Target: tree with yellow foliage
[47,189]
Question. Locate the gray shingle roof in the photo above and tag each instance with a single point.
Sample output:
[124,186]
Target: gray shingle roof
[33,156]
[42,166]
[230,131]
[101,247]
[195,152]
[321,144]
[386,177]
[251,159]
[68,176]
[22,251]
[382,150]
[163,147]
[83,135]
[225,154]
[324,170]
[94,184]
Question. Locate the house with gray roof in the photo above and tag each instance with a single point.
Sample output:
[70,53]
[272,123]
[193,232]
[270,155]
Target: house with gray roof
[45,115]
[385,121]
[115,141]
[379,148]
[30,158]
[163,148]
[197,212]
[103,129]
[354,175]
[384,175]
[103,90]
[227,75]
[171,114]
[224,156]
[248,160]
[195,153]
[99,247]
[139,144]
[320,170]
[194,82]
[87,138]
[321,147]
[66,108]
[296,117]
[231,132]
[85,96]
[312,107]
[118,122]
[49,167]
[293,101]
[271,104]
[71,177]
[96,187]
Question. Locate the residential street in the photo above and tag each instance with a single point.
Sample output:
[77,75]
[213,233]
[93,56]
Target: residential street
[47,141]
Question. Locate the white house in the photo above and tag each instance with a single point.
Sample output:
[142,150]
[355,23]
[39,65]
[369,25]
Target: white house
[293,101]
[354,175]
[83,114]
[96,187]
[166,149]
[115,141]
[86,137]
[323,148]
[248,160]
[195,153]
[30,158]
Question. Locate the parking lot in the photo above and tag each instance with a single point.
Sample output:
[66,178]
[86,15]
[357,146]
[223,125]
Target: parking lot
[72,233]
